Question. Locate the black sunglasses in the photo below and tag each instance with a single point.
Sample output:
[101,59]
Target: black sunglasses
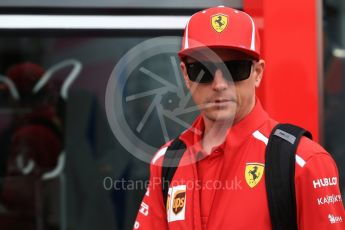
[203,72]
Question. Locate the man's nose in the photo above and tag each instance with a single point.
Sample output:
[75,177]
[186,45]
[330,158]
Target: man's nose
[219,82]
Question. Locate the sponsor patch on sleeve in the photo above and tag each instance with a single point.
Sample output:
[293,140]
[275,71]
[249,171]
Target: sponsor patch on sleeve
[176,203]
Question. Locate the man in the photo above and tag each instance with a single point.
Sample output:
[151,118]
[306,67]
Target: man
[219,181]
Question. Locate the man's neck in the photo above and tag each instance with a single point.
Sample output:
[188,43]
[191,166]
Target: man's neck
[214,133]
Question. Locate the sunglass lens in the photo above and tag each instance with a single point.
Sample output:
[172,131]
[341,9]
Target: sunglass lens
[240,70]
[198,72]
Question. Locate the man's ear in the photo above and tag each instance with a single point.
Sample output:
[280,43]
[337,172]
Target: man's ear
[259,68]
[185,75]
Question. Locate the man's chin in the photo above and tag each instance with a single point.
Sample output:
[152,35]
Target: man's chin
[220,116]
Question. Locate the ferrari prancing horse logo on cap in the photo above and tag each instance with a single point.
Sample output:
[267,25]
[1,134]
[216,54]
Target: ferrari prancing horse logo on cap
[253,173]
[219,22]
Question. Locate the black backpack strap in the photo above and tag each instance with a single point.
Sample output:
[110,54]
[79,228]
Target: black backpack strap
[171,161]
[280,175]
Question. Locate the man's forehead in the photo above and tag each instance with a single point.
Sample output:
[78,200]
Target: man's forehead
[217,55]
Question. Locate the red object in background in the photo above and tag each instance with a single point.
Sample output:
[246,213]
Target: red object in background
[289,38]
[25,76]
[36,137]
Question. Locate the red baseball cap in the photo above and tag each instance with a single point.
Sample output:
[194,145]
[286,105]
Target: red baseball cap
[221,27]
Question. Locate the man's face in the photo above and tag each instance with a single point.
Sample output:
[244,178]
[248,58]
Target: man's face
[222,99]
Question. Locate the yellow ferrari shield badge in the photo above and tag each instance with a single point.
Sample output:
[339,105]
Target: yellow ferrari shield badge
[219,22]
[253,173]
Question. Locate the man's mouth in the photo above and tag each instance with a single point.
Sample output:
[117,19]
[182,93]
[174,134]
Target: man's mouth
[220,102]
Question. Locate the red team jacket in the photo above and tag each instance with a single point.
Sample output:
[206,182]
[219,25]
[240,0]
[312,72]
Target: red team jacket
[226,190]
